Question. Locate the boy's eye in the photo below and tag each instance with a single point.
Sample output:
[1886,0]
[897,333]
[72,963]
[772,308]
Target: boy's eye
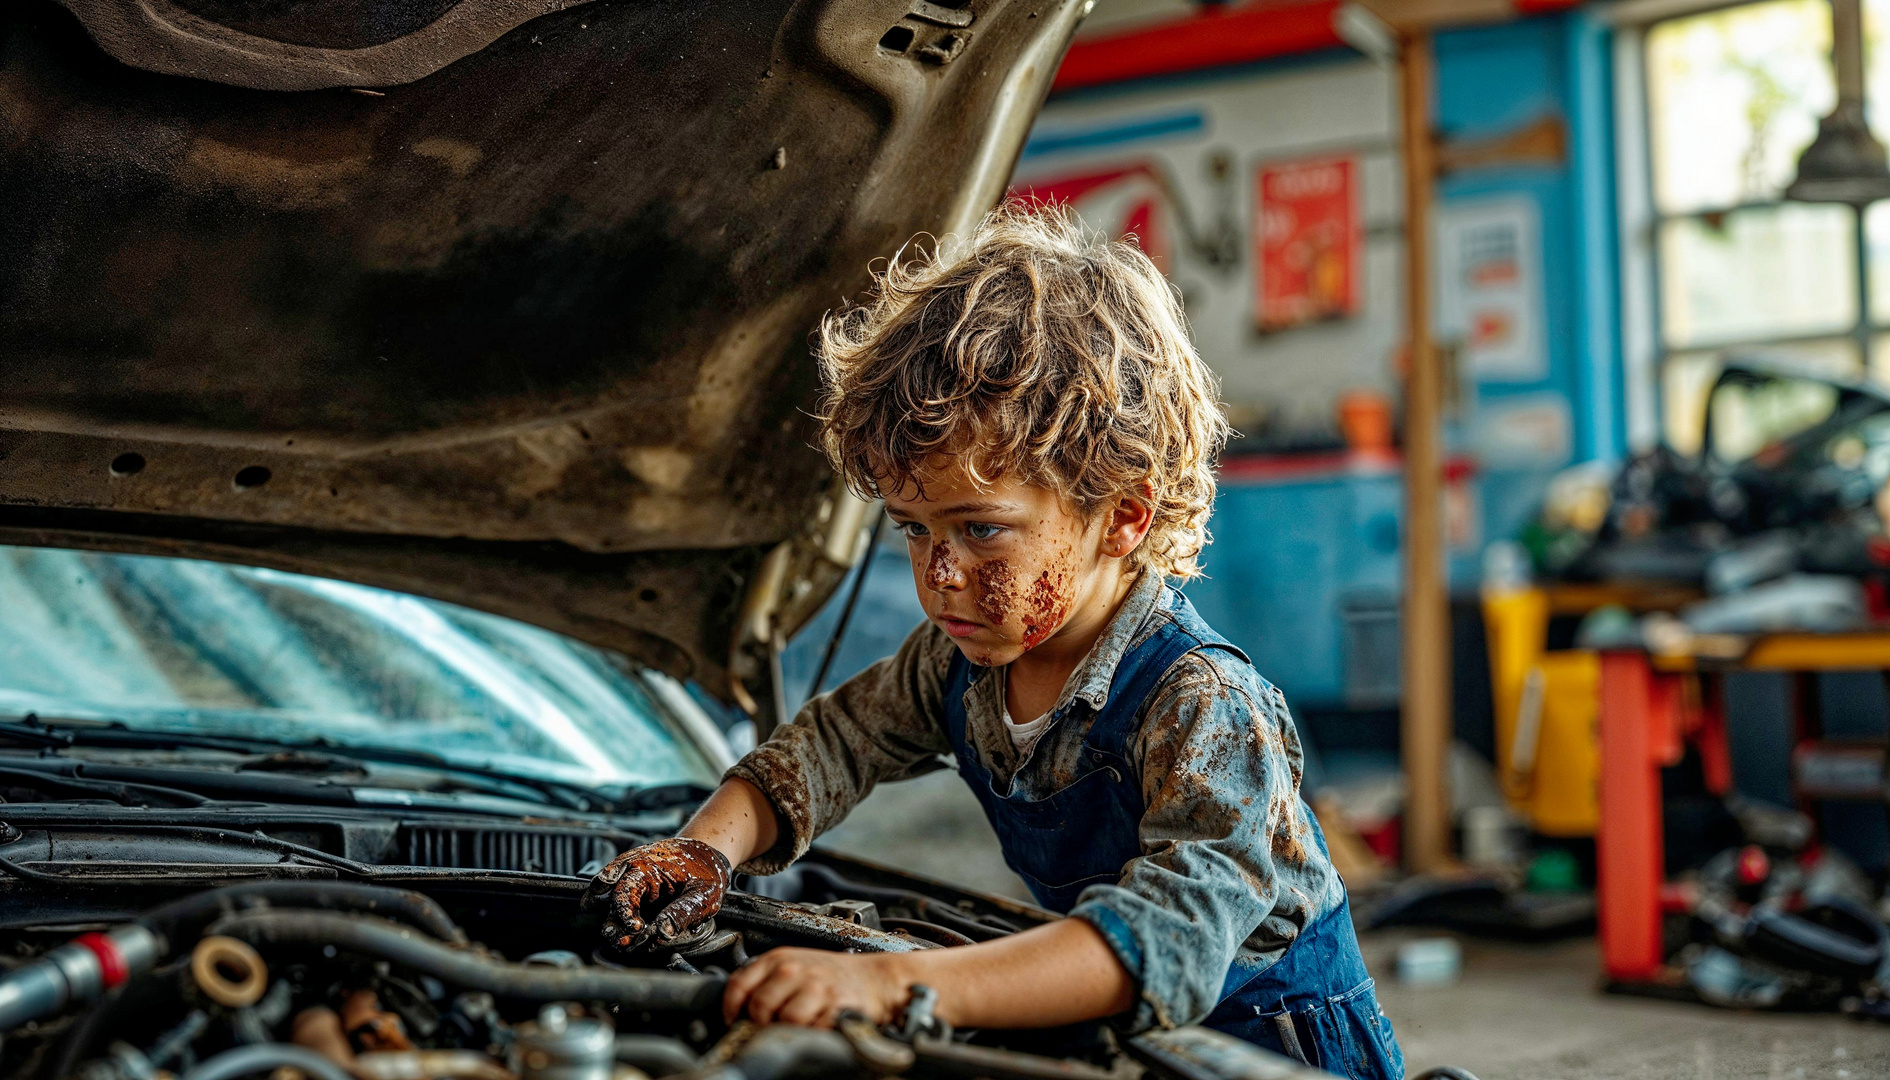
[980,531]
[912,529]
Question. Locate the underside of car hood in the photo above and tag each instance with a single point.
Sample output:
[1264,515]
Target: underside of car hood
[504,302]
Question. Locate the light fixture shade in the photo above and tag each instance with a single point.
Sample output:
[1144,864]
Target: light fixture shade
[1844,164]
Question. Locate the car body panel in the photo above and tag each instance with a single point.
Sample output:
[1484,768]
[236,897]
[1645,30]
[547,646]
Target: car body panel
[527,332]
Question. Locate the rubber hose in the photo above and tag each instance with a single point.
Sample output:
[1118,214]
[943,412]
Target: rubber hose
[182,921]
[267,1057]
[1446,1072]
[780,1051]
[656,1055]
[656,991]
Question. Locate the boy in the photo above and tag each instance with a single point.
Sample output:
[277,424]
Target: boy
[1043,433]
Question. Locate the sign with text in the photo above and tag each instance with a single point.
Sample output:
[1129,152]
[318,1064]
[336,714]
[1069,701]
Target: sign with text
[1306,243]
[1489,287]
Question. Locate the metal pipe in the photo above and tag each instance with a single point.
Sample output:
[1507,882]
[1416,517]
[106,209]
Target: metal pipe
[81,970]
[657,991]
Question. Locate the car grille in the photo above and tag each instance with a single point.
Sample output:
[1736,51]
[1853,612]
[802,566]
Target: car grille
[534,850]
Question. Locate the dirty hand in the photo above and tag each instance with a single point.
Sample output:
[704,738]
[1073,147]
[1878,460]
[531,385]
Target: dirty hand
[811,988]
[673,883]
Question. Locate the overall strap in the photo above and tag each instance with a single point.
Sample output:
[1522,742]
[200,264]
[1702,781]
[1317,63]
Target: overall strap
[1143,668]
[957,683]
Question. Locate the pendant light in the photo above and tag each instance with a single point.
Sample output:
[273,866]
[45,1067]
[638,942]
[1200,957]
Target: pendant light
[1845,163]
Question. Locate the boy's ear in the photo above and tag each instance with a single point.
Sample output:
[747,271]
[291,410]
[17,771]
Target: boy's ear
[1127,521]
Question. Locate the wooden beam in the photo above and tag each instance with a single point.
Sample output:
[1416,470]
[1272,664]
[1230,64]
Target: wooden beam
[1425,724]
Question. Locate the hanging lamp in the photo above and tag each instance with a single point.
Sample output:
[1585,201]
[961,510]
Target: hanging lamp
[1845,163]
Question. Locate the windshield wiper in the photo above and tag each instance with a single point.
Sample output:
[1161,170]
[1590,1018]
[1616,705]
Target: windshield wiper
[34,731]
[125,793]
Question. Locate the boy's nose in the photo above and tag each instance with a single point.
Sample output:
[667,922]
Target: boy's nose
[942,572]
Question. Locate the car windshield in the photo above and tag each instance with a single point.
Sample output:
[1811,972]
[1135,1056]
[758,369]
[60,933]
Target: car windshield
[177,645]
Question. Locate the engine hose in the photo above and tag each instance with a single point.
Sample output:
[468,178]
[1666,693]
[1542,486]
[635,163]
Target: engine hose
[656,1055]
[656,991]
[780,1051]
[267,1057]
[182,921]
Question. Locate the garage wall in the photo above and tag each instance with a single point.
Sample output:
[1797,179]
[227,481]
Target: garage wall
[1282,384]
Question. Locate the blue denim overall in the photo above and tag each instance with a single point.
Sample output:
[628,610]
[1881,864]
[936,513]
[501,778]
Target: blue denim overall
[1315,1004]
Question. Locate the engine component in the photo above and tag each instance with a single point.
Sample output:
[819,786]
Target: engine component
[319,1029]
[429,1065]
[371,1027]
[184,920]
[776,1052]
[257,1024]
[228,972]
[881,1056]
[79,971]
[655,1055]
[122,1061]
[175,1041]
[264,1058]
[656,991]
[560,1046]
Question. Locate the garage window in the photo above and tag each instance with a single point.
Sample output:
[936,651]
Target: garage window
[1732,96]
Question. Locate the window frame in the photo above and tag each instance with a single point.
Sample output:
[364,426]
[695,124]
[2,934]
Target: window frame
[1646,351]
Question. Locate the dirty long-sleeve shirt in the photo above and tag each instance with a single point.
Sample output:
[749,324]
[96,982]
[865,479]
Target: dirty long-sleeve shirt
[1231,864]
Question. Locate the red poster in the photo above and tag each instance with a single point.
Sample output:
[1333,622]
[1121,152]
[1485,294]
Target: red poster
[1306,242]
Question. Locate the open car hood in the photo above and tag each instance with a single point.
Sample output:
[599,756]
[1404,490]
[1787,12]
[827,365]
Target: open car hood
[504,302]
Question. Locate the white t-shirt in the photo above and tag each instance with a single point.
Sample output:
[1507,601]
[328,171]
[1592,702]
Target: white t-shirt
[1025,734]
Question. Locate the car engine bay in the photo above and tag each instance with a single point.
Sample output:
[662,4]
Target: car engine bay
[413,973]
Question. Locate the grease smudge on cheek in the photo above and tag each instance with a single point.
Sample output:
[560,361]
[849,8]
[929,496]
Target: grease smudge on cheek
[997,590]
[1046,607]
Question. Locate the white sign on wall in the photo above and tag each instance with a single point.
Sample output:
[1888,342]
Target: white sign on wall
[1489,287]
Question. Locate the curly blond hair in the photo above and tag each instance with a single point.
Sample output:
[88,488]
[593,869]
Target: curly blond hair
[1035,348]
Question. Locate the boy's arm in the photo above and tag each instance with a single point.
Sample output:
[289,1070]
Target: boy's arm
[884,723]
[1228,848]
[1047,976]
[737,821]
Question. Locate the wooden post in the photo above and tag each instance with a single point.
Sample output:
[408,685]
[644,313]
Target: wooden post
[1425,725]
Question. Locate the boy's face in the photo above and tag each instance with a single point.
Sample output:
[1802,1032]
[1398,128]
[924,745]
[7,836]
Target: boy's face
[1000,567]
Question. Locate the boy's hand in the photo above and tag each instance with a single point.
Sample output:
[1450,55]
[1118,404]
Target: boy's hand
[673,883]
[810,987]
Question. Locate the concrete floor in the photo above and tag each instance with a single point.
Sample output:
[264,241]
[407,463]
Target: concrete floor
[1525,1012]
[1520,1012]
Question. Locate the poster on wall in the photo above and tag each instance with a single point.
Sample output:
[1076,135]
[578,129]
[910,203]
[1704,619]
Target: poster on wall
[1489,287]
[1306,243]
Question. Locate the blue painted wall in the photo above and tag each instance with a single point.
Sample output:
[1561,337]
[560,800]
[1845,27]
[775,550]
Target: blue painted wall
[1492,80]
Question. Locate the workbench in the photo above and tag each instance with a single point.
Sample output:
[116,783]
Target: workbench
[1650,706]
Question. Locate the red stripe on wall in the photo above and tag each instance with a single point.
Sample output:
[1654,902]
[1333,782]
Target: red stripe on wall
[1214,38]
